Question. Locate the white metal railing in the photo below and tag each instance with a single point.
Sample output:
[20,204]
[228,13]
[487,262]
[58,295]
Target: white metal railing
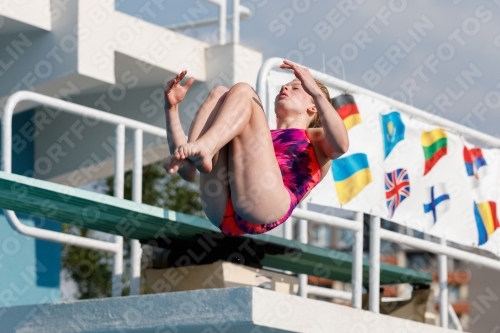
[239,13]
[116,247]
[376,232]
[443,287]
[374,284]
[271,63]
[135,246]
[355,225]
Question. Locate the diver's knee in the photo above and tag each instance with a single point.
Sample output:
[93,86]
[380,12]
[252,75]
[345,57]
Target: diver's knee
[242,86]
[217,92]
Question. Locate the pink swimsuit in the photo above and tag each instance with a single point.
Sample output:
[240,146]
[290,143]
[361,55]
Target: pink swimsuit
[300,171]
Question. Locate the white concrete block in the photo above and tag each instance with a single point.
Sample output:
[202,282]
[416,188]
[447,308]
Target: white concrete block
[25,15]
[232,63]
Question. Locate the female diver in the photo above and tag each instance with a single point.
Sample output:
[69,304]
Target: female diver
[252,177]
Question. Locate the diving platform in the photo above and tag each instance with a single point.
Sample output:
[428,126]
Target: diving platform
[242,309]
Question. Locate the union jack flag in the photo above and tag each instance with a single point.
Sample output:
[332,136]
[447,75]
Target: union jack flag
[397,188]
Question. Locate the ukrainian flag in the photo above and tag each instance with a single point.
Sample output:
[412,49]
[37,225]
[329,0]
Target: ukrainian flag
[347,110]
[435,145]
[486,220]
[351,175]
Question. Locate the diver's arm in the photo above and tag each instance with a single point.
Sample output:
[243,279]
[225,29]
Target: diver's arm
[334,141]
[174,94]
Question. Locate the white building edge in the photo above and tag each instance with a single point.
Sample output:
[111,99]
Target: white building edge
[91,54]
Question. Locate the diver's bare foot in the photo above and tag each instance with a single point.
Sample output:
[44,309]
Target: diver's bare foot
[197,154]
[172,165]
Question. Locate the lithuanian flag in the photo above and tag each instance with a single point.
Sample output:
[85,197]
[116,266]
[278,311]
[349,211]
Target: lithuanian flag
[435,144]
[351,175]
[347,110]
[486,220]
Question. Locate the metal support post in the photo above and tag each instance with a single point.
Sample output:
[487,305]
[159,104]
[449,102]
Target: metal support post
[357,264]
[288,234]
[118,190]
[222,22]
[135,246]
[288,229]
[303,238]
[236,21]
[374,292]
[443,286]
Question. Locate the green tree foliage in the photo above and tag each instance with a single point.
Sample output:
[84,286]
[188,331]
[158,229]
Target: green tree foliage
[91,269]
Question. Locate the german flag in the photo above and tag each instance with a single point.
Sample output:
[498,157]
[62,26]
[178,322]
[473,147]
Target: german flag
[347,110]
[435,145]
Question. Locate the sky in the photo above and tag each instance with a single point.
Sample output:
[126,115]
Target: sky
[439,56]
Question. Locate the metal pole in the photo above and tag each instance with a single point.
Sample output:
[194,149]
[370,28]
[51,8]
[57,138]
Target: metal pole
[374,292]
[357,264]
[236,21]
[222,22]
[288,229]
[443,286]
[327,292]
[421,244]
[302,224]
[135,246]
[118,190]
[288,234]
[333,221]
[455,319]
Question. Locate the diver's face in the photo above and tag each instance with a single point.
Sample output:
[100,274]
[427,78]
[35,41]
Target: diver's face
[292,96]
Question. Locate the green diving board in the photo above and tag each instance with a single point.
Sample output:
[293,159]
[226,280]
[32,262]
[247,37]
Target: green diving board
[336,265]
[148,223]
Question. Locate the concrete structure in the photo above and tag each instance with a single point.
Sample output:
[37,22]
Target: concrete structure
[243,309]
[91,54]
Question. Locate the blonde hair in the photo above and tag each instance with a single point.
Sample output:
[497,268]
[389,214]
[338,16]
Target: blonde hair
[316,122]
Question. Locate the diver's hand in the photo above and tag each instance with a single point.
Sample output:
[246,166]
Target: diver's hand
[174,92]
[304,77]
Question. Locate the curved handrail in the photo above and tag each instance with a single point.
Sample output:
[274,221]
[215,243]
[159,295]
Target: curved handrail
[12,218]
[271,63]
[240,12]
[244,14]
[57,237]
[115,247]
[20,96]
